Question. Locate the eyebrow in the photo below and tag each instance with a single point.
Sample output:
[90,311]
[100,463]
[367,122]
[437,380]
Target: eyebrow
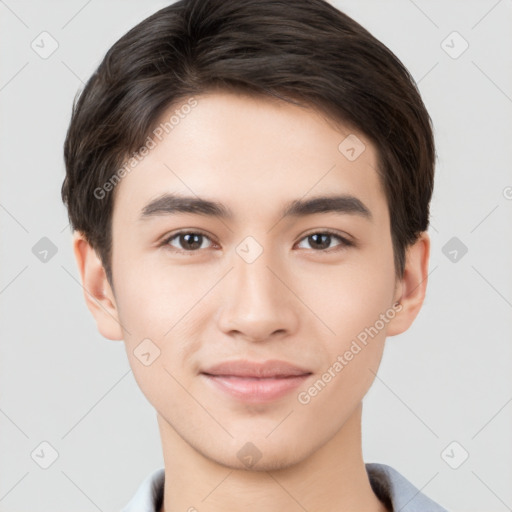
[169,204]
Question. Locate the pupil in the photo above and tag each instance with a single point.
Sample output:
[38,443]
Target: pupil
[319,235]
[187,237]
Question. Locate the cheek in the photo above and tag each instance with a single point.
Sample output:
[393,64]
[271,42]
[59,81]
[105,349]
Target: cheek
[352,356]
[355,303]
[158,309]
[350,298]
[151,299]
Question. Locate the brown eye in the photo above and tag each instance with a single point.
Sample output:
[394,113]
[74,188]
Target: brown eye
[187,241]
[322,240]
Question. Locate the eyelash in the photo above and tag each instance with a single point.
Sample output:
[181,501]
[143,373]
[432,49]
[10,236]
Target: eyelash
[344,242]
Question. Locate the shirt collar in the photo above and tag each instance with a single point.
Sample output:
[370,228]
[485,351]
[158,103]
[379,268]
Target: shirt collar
[387,483]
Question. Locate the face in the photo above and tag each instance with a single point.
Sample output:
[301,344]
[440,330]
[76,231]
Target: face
[313,286]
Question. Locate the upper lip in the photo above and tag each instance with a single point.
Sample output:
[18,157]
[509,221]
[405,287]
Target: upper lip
[266,369]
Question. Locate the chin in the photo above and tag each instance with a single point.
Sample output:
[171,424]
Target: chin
[258,457]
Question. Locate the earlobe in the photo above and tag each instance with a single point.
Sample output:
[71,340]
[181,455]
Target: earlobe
[98,293]
[412,287]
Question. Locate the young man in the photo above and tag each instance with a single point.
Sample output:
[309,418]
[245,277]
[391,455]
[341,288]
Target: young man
[249,184]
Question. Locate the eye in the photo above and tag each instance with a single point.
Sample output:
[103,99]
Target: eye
[321,240]
[193,241]
[188,241]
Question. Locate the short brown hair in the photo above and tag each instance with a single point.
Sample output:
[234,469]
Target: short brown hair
[300,51]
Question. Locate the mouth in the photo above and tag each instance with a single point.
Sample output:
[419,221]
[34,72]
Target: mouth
[255,382]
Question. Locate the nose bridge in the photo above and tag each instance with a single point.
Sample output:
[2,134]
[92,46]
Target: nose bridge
[254,281]
[256,303]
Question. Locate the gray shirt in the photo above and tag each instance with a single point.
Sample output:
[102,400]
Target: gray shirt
[388,484]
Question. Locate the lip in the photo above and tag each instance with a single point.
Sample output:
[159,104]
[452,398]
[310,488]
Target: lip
[266,369]
[254,381]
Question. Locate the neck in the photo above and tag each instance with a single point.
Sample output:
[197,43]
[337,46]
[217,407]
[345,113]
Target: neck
[332,478]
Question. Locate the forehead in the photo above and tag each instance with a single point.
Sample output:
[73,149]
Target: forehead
[251,153]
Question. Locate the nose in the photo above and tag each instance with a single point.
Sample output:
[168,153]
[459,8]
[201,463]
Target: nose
[258,303]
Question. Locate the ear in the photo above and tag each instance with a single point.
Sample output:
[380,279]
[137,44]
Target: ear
[98,294]
[411,289]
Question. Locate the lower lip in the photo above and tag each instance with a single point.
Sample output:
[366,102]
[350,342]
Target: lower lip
[255,389]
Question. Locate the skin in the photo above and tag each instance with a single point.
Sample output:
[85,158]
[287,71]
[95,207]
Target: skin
[295,302]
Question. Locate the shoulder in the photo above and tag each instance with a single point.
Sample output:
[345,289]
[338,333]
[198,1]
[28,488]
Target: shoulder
[149,495]
[397,492]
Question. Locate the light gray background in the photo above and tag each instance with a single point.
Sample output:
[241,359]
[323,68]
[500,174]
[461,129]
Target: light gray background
[447,379]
